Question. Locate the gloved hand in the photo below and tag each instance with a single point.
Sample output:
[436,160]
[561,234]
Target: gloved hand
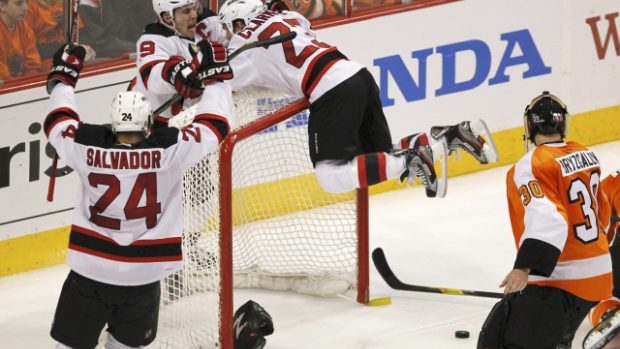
[213,59]
[183,76]
[67,64]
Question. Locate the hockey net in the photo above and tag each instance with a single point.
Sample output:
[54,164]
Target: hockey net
[255,217]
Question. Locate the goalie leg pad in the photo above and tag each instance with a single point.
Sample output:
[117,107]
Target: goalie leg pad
[251,324]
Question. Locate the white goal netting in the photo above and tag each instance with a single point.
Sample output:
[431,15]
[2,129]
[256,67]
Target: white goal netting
[287,233]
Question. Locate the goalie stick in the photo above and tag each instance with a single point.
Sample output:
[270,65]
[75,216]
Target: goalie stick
[378,257]
[71,36]
[258,43]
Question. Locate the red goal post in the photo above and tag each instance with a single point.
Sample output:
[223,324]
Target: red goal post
[256,217]
[226,223]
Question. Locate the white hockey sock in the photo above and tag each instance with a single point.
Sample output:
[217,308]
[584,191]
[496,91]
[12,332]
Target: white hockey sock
[112,343]
[339,177]
[336,176]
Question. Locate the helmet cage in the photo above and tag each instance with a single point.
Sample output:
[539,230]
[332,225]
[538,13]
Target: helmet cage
[546,114]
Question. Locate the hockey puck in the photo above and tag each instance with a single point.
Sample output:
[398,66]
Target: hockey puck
[461,334]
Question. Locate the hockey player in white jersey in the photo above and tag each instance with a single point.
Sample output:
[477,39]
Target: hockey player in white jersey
[172,52]
[349,139]
[127,222]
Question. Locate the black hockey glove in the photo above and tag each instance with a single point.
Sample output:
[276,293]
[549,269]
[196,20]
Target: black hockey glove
[182,74]
[213,59]
[252,324]
[68,62]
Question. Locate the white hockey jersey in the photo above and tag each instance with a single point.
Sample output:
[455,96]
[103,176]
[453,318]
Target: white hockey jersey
[127,222]
[154,48]
[301,67]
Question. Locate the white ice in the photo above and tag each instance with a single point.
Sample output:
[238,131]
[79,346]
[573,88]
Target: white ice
[462,241]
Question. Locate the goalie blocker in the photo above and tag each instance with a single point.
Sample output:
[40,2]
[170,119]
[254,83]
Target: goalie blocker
[251,325]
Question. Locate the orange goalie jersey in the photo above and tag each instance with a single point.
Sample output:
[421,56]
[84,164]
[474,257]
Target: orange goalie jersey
[559,219]
[611,187]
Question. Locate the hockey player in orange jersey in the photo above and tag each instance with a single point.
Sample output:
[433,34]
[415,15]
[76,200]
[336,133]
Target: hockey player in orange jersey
[559,219]
[605,316]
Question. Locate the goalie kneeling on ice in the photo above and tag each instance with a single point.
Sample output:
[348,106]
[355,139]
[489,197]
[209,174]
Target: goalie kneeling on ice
[251,324]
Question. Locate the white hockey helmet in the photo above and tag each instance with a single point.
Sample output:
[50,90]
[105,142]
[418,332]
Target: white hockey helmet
[130,112]
[246,10]
[168,6]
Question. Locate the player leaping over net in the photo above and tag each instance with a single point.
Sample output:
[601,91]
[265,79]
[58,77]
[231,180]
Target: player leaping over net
[349,139]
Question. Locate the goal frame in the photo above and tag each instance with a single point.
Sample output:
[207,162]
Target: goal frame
[226,219]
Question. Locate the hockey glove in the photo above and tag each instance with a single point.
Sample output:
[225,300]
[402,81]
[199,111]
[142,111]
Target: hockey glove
[181,74]
[213,59]
[252,324]
[68,62]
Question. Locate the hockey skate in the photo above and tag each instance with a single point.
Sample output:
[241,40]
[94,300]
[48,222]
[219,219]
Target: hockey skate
[605,332]
[472,136]
[428,163]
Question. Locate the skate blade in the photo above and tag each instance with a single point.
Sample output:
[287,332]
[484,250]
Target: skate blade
[488,149]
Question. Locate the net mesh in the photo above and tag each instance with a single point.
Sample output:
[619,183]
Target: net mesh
[288,234]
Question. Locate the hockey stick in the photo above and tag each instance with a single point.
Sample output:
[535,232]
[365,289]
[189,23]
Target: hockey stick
[259,43]
[378,257]
[71,36]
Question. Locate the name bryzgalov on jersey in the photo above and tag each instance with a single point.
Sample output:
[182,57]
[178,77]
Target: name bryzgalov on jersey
[578,161]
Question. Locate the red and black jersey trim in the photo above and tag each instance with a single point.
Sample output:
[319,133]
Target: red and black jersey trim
[58,115]
[145,71]
[217,124]
[318,67]
[140,251]
[371,169]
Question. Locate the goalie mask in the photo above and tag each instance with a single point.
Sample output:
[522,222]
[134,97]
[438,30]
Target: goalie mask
[130,112]
[233,11]
[168,6]
[547,115]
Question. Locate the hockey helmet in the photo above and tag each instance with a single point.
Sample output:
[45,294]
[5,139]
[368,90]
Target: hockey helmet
[130,112]
[546,114]
[168,6]
[239,10]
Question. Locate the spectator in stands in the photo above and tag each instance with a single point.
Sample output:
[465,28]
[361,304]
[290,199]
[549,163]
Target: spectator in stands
[46,18]
[113,27]
[18,51]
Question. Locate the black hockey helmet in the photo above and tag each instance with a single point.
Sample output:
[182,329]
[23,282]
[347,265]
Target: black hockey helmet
[546,114]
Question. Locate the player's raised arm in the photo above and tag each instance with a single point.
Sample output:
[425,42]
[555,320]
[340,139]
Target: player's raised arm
[62,120]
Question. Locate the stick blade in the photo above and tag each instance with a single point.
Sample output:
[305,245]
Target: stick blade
[382,266]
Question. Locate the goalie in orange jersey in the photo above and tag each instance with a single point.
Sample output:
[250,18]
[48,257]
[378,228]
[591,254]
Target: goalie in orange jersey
[559,219]
[605,316]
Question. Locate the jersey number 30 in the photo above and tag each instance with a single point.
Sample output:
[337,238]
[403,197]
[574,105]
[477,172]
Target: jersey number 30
[578,193]
[146,184]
